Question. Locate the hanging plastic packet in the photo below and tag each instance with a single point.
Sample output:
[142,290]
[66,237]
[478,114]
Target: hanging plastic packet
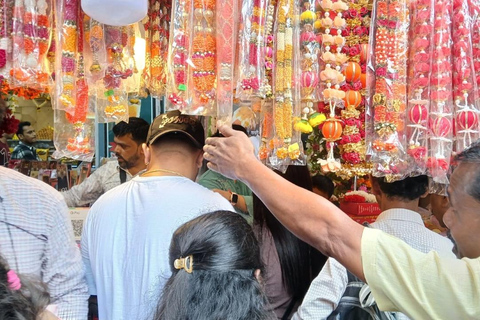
[226,34]
[95,53]
[251,70]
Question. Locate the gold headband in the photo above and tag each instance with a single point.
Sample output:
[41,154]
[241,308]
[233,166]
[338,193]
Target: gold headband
[184,263]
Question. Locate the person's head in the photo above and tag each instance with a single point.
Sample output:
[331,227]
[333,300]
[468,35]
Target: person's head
[463,218]
[299,262]
[439,205]
[26,133]
[221,275]
[129,138]
[175,142]
[403,193]
[3,110]
[323,186]
[20,298]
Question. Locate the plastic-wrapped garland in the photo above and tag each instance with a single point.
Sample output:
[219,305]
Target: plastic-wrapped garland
[464,82]
[419,85]
[441,111]
[392,21]
[178,51]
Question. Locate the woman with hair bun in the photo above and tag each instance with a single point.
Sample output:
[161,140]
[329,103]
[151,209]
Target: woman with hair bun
[216,272]
[21,298]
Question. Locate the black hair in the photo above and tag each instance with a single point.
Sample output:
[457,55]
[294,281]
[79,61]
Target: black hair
[472,155]
[410,188]
[27,303]
[21,125]
[323,183]
[234,127]
[300,263]
[222,284]
[137,127]
[176,138]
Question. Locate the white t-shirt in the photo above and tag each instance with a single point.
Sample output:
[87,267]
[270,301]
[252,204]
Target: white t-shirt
[126,239]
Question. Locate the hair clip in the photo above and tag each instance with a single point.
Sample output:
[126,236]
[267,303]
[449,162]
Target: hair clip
[13,280]
[184,263]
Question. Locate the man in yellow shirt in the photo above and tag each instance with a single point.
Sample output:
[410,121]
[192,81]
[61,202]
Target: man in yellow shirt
[423,286]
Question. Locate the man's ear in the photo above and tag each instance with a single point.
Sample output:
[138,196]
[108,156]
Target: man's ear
[445,202]
[258,275]
[375,186]
[147,152]
[199,159]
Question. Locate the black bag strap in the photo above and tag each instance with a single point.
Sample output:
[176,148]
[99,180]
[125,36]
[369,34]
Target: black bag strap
[123,176]
[289,309]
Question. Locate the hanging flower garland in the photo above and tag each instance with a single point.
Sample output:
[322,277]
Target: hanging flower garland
[309,70]
[352,143]
[251,79]
[177,88]
[266,129]
[331,77]
[388,101]
[464,81]
[6,24]
[419,84]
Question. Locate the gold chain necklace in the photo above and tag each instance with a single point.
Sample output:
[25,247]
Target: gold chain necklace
[162,170]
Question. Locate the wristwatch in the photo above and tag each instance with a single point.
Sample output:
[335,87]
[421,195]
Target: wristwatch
[234,199]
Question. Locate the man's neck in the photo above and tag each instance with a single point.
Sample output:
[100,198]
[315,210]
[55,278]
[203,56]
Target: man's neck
[135,170]
[399,204]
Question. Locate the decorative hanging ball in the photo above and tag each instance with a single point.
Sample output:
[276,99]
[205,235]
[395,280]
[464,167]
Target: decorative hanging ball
[441,127]
[353,98]
[418,114]
[363,52]
[363,80]
[332,129]
[467,120]
[309,79]
[352,72]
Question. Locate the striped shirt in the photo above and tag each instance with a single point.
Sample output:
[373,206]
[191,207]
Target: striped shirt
[36,238]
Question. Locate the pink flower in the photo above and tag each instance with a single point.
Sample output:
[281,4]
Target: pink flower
[363,11]
[352,13]
[269,38]
[357,86]
[268,65]
[381,72]
[354,51]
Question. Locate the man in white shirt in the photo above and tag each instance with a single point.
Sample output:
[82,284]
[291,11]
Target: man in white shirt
[399,203]
[127,234]
[36,238]
[130,161]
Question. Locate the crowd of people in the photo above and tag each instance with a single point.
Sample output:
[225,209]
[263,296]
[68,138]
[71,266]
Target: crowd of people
[244,242]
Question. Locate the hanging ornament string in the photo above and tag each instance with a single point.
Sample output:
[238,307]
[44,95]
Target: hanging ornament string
[441,110]
[68,43]
[178,52]
[203,56]
[464,83]
[420,67]
[267,109]
[389,99]
[226,18]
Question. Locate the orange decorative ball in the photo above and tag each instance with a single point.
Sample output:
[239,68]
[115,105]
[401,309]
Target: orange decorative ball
[363,80]
[352,98]
[352,72]
[332,129]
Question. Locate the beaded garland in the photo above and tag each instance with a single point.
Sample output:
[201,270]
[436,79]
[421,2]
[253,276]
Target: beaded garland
[389,98]
[252,73]
[267,122]
[203,56]
[177,89]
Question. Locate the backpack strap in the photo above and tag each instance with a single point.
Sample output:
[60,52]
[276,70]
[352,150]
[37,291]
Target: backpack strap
[289,308]
[123,176]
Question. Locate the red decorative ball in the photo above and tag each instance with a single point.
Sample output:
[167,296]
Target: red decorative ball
[352,72]
[332,129]
[467,120]
[441,127]
[353,98]
[418,114]
[309,79]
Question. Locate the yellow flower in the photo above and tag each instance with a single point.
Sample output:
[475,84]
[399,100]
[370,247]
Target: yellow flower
[316,119]
[303,126]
